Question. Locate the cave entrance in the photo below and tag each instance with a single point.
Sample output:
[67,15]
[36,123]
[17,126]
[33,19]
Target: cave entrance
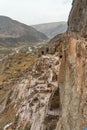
[55,100]
[53,111]
[47,50]
[42,52]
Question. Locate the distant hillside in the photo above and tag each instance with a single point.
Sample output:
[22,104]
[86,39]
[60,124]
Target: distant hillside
[51,29]
[12,32]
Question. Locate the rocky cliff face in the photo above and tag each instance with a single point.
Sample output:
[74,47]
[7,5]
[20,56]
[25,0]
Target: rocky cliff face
[72,86]
[73,71]
[78,17]
[53,94]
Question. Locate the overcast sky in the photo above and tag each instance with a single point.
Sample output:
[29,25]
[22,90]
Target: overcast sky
[36,11]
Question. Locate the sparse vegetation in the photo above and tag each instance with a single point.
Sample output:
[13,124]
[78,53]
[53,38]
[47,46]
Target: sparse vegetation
[11,69]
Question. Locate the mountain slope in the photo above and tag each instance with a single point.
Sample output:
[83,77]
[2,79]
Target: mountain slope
[52,29]
[48,92]
[12,31]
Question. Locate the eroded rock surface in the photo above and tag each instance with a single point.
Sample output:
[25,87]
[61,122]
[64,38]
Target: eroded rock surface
[78,18]
[31,95]
[72,85]
[53,95]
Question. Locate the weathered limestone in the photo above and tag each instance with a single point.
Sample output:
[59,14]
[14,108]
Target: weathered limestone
[72,85]
[31,95]
[73,71]
[53,96]
[78,18]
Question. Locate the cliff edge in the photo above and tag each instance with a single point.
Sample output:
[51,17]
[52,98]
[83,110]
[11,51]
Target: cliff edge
[78,18]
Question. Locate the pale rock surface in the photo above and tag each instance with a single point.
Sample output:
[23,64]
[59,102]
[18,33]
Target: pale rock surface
[31,96]
[53,96]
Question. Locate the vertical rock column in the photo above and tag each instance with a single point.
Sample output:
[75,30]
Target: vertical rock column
[72,84]
[78,18]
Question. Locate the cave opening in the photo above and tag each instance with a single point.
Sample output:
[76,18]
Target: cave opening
[55,100]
